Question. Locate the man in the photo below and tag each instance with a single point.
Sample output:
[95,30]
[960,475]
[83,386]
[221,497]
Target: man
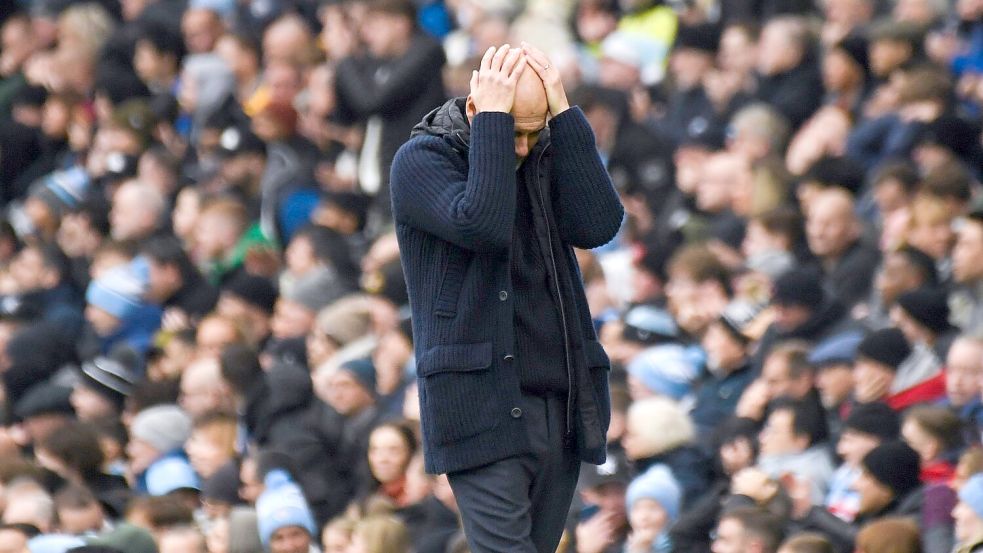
[788,76]
[390,89]
[963,372]
[747,530]
[902,270]
[968,516]
[137,211]
[513,384]
[182,539]
[868,426]
[175,283]
[203,389]
[791,443]
[966,302]
[833,233]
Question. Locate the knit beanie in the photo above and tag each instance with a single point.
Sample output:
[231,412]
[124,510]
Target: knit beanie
[649,325]
[281,505]
[928,306]
[45,398]
[254,290]
[63,190]
[886,346]
[170,473]
[798,287]
[876,419]
[364,372]
[738,318]
[118,292]
[855,47]
[659,484]
[664,369]
[317,289]
[165,427]
[109,378]
[895,465]
[127,537]
[972,494]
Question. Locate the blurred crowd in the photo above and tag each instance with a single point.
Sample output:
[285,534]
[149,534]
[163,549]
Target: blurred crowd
[205,343]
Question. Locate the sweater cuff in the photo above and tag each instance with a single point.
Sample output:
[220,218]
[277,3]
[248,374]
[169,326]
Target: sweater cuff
[571,128]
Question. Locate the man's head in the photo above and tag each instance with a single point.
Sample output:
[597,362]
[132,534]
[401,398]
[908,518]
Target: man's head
[169,267]
[784,42]
[38,267]
[832,360]
[286,524]
[868,426]
[966,268]
[715,190]
[529,110]
[747,530]
[787,371]
[904,269]
[201,28]
[136,211]
[795,297]
[203,389]
[352,387]
[791,427]
[388,27]
[78,510]
[963,370]
[878,357]
[831,224]
[890,471]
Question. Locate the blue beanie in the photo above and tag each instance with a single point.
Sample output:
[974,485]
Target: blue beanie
[281,505]
[972,494]
[364,372]
[841,348]
[667,370]
[169,474]
[54,543]
[118,292]
[659,484]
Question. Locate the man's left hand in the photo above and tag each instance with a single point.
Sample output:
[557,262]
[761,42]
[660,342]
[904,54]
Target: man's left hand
[555,95]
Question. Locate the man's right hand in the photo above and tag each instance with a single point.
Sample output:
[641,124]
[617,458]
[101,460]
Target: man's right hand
[493,84]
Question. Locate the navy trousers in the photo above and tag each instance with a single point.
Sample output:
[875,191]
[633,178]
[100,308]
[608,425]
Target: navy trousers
[520,504]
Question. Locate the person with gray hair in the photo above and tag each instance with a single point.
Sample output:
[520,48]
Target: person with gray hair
[757,132]
[788,74]
[27,502]
[137,211]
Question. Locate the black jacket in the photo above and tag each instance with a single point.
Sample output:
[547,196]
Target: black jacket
[454,195]
[796,93]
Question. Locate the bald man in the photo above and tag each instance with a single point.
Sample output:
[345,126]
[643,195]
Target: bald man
[833,232]
[490,196]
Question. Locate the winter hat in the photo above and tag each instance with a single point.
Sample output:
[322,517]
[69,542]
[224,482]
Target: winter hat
[347,319]
[223,485]
[930,307]
[165,427]
[281,505]
[649,325]
[895,465]
[44,399]
[317,289]
[54,543]
[169,474]
[127,537]
[224,8]
[659,484]
[109,378]
[830,171]
[972,494]
[63,190]
[254,290]
[772,263]
[887,347]
[798,287]
[704,37]
[118,292]
[738,316]
[364,372]
[835,350]
[235,140]
[664,369]
[855,46]
[876,419]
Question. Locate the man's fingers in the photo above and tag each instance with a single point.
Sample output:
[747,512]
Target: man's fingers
[536,54]
[499,58]
[474,81]
[520,66]
[509,64]
[487,59]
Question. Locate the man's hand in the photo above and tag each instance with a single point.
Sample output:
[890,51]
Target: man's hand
[555,95]
[493,84]
[755,484]
[596,534]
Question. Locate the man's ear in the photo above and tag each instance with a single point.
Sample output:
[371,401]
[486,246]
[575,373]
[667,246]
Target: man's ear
[469,108]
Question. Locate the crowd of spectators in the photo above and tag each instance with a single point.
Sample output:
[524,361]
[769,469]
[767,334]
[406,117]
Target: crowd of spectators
[204,334]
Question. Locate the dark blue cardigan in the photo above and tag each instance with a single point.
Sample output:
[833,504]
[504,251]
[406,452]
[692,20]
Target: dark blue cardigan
[454,198]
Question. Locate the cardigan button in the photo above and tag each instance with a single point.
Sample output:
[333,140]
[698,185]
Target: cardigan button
[503,295]
[509,357]
[516,412]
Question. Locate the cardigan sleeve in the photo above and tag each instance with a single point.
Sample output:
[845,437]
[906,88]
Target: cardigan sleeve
[476,210]
[588,210]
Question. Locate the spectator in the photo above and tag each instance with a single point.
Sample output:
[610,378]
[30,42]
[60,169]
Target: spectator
[182,539]
[653,500]
[175,283]
[377,534]
[790,443]
[962,369]
[787,70]
[967,516]
[286,524]
[747,529]
[934,432]
[212,444]
[157,461]
[966,310]
[806,542]
[889,534]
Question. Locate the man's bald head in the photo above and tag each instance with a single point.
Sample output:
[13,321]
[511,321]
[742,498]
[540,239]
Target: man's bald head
[530,107]
[831,224]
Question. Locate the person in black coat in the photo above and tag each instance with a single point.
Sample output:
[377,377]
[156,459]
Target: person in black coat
[789,78]
[390,89]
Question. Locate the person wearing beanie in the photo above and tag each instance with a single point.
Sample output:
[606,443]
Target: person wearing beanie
[968,516]
[643,326]
[889,486]
[792,441]
[44,408]
[868,425]
[664,370]
[653,501]
[802,311]
[102,390]
[249,299]
[157,436]
[923,316]
[832,360]
[879,355]
[117,314]
[286,524]
[126,537]
[727,343]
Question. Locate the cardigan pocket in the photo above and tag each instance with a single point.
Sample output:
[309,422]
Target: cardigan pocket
[598,365]
[451,282]
[457,391]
